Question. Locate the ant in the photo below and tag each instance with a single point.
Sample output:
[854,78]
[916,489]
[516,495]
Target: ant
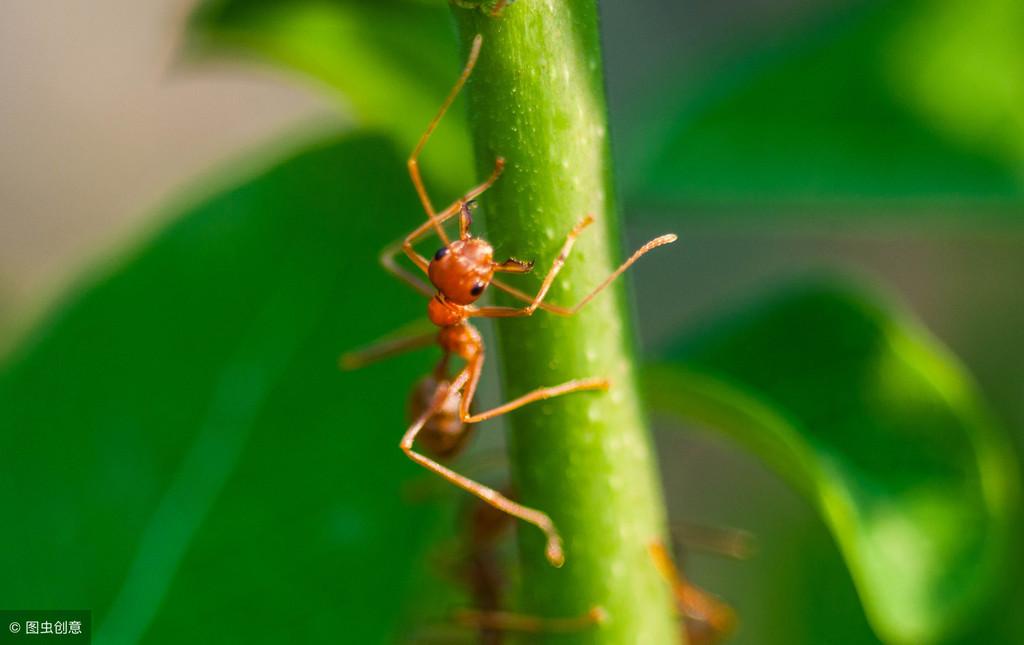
[459,272]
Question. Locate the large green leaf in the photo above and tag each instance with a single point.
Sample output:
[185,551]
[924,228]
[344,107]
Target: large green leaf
[182,454]
[880,428]
[915,101]
[393,61]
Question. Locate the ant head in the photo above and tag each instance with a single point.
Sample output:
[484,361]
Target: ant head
[462,270]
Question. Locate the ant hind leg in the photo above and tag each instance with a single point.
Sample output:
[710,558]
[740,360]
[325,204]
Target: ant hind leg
[406,339]
[553,551]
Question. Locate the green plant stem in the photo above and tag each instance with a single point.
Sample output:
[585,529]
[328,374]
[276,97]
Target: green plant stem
[537,99]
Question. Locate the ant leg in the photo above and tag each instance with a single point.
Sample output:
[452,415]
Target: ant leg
[707,619]
[387,256]
[556,266]
[413,162]
[726,542]
[514,622]
[385,348]
[540,394]
[476,191]
[569,311]
[475,368]
[387,260]
[553,551]
[666,567]
[407,246]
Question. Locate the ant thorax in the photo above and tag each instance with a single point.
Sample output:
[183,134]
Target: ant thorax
[444,313]
[462,270]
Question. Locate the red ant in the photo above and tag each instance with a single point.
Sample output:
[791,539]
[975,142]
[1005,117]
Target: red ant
[459,272]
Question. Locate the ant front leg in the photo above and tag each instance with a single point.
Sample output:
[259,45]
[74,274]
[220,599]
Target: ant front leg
[413,162]
[553,551]
[536,301]
[545,286]
[388,260]
[387,256]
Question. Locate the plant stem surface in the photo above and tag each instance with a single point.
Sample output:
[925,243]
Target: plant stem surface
[537,99]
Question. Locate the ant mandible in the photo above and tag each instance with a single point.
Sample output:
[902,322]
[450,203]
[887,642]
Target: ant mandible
[459,272]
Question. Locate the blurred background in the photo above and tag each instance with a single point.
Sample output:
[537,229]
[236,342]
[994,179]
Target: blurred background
[781,138]
[101,122]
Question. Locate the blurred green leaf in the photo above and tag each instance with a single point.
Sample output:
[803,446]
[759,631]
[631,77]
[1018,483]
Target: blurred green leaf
[182,454]
[394,61]
[880,428]
[961,63]
[915,102]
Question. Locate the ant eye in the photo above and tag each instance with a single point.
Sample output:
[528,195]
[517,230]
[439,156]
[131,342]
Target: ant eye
[441,252]
[477,289]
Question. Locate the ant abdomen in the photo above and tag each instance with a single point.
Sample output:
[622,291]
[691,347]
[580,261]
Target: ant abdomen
[444,434]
